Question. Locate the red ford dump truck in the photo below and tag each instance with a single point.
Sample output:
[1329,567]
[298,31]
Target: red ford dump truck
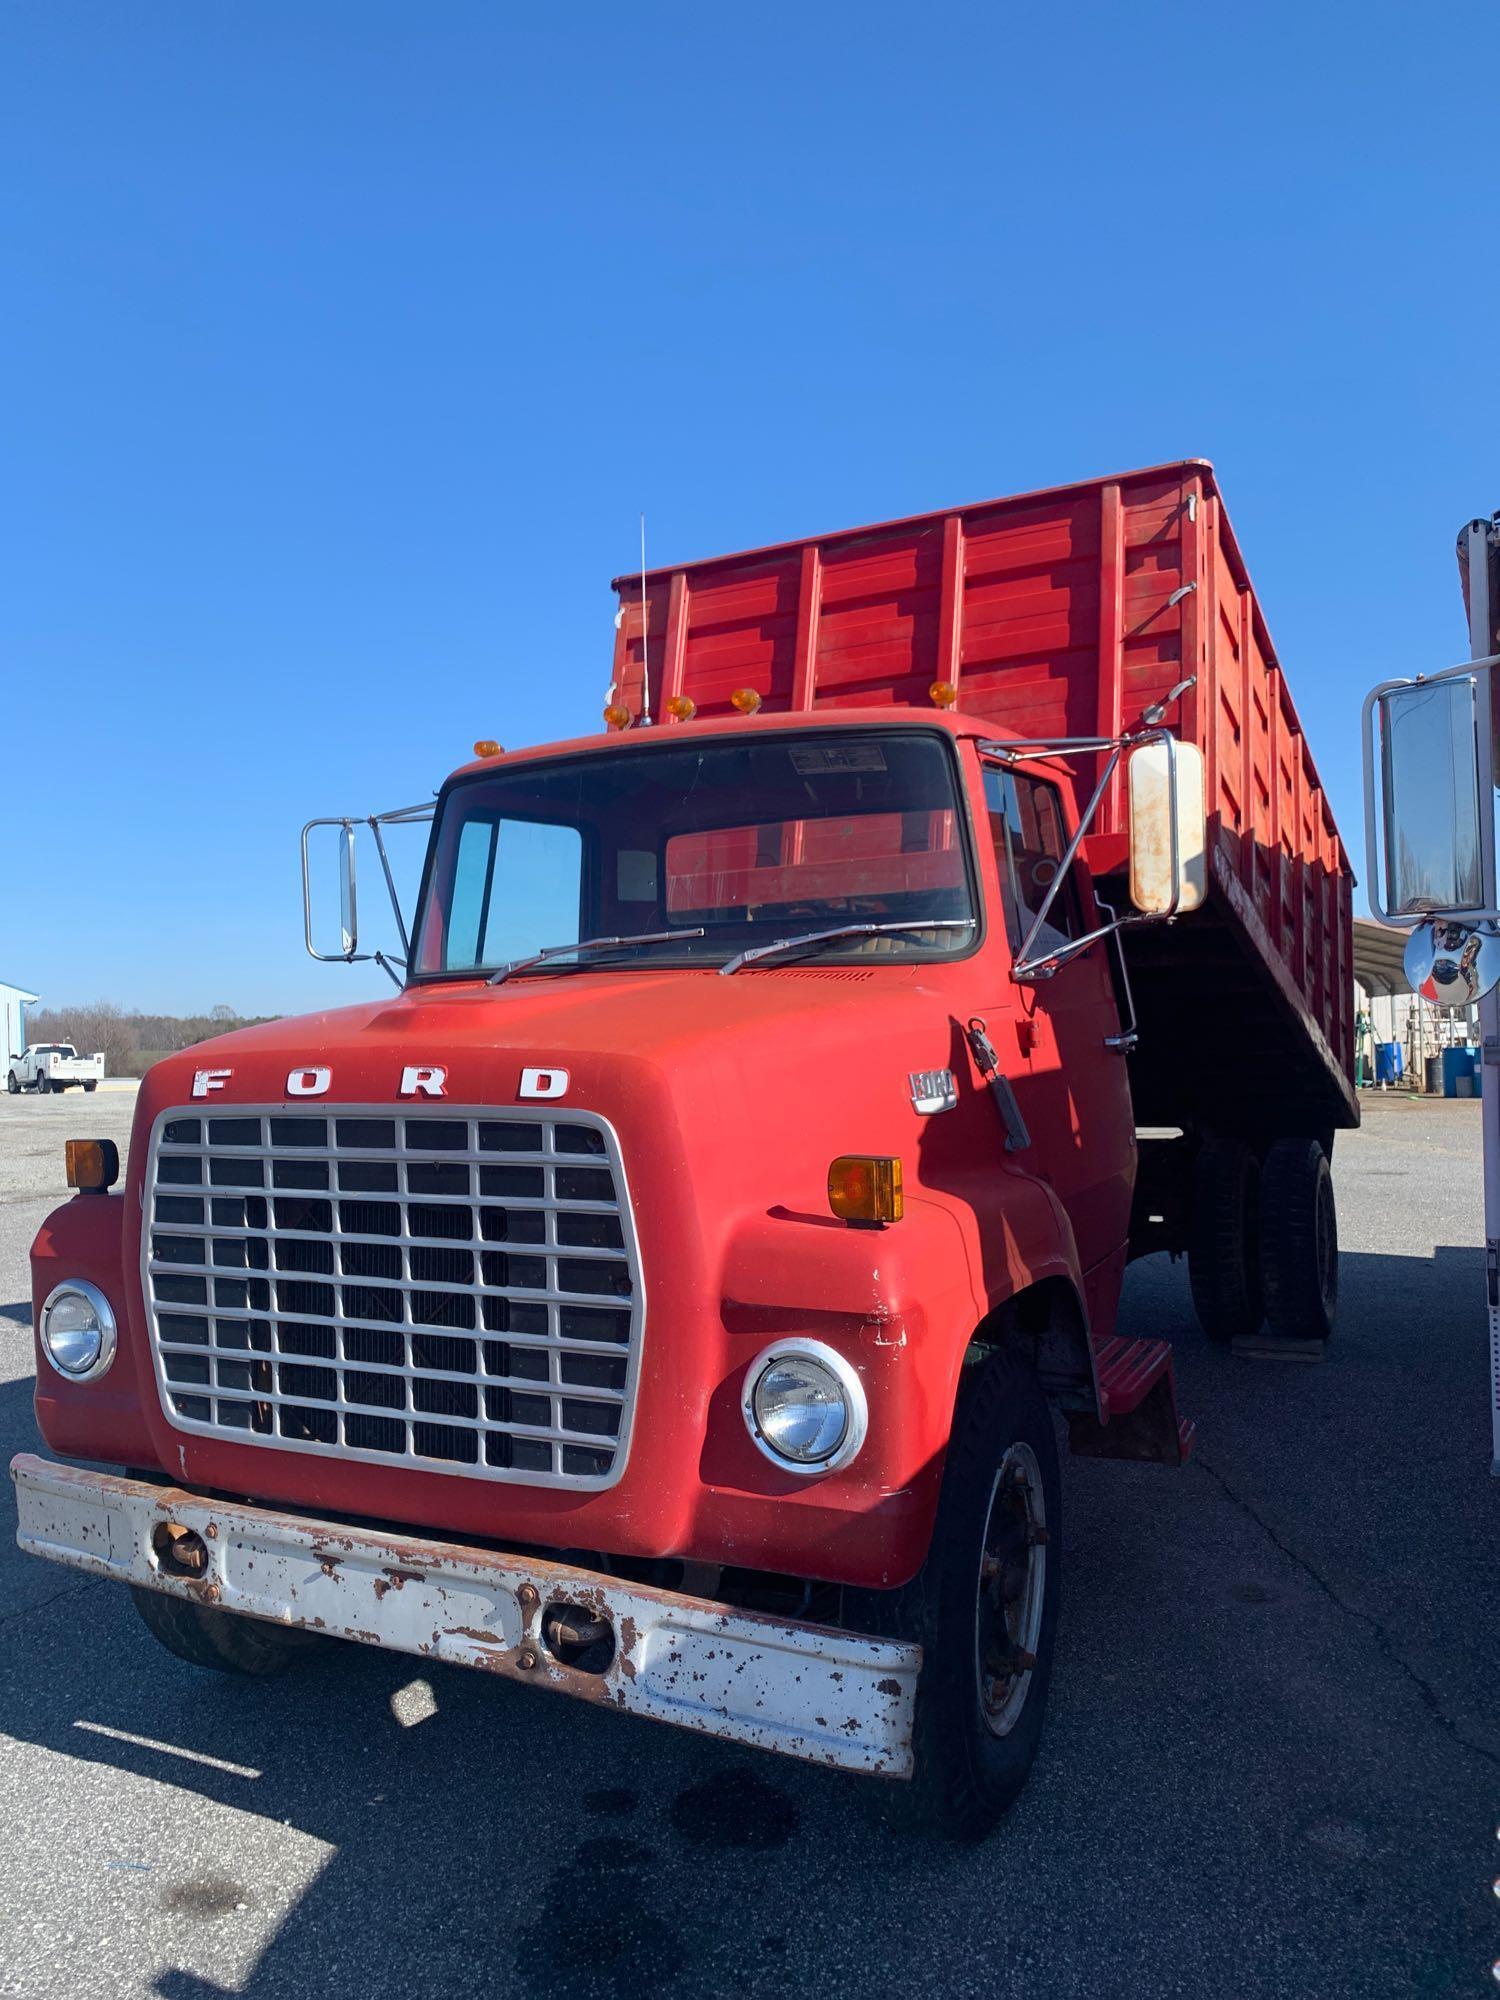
[670,1295]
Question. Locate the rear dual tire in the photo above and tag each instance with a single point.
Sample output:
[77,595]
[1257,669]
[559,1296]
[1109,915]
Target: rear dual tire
[1300,1241]
[1224,1251]
[1263,1242]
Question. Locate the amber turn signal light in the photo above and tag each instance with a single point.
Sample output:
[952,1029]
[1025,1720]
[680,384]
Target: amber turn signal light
[943,694]
[746,700]
[865,1189]
[93,1164]
[617,716]
[681,707]
[488,747]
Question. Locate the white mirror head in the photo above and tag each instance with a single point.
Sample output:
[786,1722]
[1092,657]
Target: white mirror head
[1168,827]
[1452,964]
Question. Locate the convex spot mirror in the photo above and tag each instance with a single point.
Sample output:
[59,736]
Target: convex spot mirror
[1168,827]
[1452,964]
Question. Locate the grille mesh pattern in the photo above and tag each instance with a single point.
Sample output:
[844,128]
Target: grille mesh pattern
[457,1290]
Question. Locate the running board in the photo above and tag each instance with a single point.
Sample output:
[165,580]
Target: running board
[1137,1406]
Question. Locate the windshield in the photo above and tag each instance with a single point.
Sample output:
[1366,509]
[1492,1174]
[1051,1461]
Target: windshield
[720,845]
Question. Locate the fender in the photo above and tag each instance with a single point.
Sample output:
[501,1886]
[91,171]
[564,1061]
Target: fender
[103,1419]
[903,1304]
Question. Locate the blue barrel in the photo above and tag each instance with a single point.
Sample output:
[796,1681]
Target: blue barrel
[1458,1062]
[1388,1064]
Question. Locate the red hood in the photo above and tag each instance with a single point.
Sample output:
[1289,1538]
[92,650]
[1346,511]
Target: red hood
[602,1022]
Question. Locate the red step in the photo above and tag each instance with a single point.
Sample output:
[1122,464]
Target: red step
[1137,1414]
[1125,1371]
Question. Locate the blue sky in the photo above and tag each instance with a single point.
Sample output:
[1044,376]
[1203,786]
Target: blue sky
[345,340]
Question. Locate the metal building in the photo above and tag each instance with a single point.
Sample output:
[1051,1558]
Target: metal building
[14,1000]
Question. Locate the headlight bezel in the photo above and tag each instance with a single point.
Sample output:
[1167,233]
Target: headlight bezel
[851,1389]
[103,1311]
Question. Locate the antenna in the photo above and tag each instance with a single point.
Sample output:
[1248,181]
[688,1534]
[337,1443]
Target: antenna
[645,639]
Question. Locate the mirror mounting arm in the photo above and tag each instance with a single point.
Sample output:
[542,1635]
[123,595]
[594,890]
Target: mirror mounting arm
[352,955]
[1028,971]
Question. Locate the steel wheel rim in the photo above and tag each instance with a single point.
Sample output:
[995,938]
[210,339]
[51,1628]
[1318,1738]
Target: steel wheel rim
[1011,1589]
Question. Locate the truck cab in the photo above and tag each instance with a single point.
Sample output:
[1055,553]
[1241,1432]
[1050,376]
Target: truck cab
[668,1294]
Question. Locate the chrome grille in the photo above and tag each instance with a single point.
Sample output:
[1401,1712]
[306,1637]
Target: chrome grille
[456,1290]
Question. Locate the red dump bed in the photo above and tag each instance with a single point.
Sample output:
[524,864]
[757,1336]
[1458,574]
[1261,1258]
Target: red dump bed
[1064,613]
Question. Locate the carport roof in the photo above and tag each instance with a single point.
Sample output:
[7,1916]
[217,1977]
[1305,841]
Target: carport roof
[1378,952]
[19,991]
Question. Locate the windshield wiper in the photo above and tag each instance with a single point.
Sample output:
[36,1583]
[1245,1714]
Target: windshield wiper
[779,945]
[499,977]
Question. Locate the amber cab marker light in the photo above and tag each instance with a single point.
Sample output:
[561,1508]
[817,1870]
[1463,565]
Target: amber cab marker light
[866,1190]
[681,707]
[488,747]
[617,716]
[943,694]
[93,1164]
[746,700]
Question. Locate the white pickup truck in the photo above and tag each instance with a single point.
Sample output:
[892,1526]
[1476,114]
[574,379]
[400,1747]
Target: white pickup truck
[53,1066]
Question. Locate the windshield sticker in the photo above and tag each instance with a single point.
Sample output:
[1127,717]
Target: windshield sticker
[811,759]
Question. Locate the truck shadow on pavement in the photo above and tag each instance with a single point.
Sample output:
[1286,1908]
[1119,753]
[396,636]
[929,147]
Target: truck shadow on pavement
[1238,1721]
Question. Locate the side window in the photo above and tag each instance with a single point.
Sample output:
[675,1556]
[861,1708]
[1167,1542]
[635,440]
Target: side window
[1031,838]
[516,887]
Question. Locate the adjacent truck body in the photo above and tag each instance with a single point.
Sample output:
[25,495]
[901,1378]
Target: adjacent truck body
[53,1066]
[685,1267]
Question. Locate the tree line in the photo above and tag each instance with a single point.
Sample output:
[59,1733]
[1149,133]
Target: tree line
[131,1042]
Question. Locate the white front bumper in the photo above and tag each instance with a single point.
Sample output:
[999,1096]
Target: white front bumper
[806,1690]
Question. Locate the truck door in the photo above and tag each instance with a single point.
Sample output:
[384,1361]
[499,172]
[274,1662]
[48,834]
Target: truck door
[1073,1088]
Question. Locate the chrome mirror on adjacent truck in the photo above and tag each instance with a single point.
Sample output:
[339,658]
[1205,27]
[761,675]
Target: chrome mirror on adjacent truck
[345,861]
[1425,821]
[1430,768]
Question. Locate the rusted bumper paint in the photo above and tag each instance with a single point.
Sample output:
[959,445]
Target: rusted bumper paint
[805,1690]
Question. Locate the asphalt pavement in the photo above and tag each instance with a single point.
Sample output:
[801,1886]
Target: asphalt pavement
[1272,1766]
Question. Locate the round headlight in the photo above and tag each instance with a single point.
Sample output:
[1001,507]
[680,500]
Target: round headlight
[805,1407]
[78,1330]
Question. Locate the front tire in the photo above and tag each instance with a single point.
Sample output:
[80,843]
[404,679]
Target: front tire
[984,1606]
[225,1641]
[12,1088]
